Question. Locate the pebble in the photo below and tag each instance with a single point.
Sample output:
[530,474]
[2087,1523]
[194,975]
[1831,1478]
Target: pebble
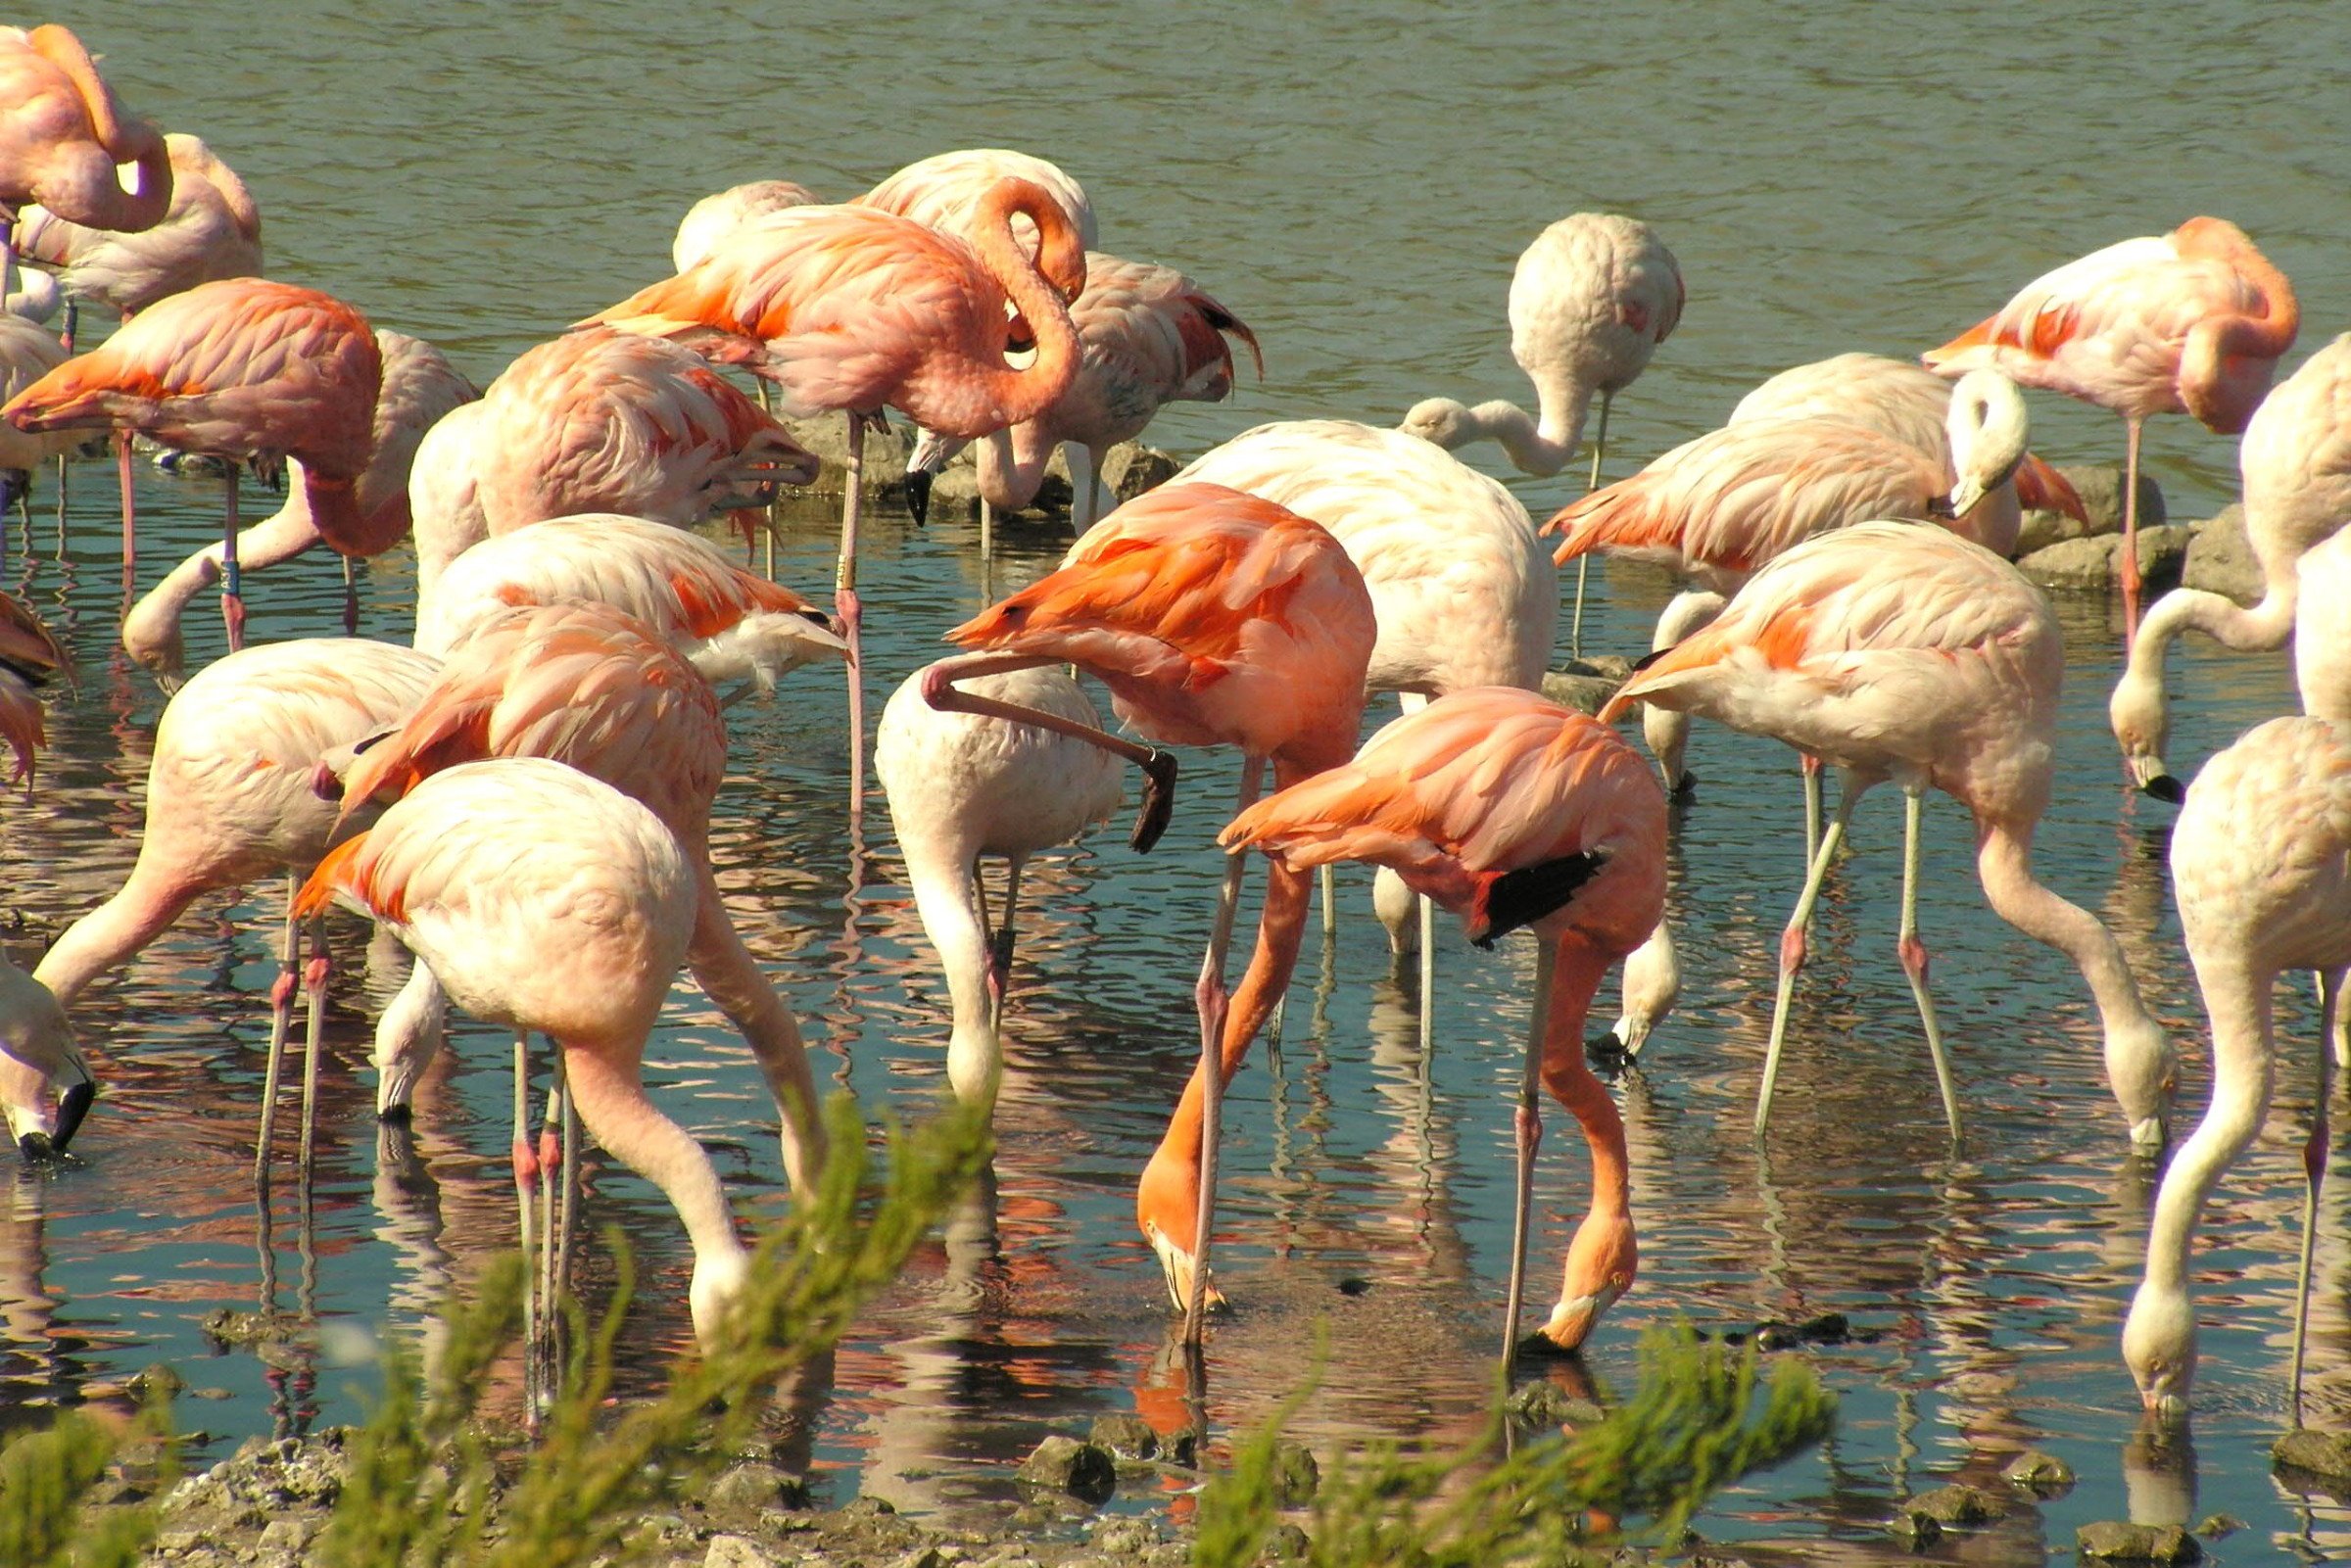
[2042,1474]
[738,1551]
[1129,1437]
[1065,1464]
[1296,1475]
[1957,1506]
[2323,1454]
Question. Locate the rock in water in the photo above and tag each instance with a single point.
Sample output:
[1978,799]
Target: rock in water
[2045,1475]
[2089,563]
[2112,1541]
[2220,560]
[1065,1464]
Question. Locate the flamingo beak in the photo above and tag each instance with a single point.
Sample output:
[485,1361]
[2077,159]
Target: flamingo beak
[1176,1263]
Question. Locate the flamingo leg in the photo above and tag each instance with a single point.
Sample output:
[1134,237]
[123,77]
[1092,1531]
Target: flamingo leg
[1810,771]
[846,603]
[1085,497]
[8,253]
[350,599]
[1214,1001]
[1428,979]
[281,1024]
[1792,952]
[1329,885]
[526,1180]
[1583,564]
[1159,767]
[568,1219]
[999,947]
[2129,561]
[2314,1173]
[552,1177]
[1528,1125]
[130,518]
[233,581]
[1914,959]
[314,983]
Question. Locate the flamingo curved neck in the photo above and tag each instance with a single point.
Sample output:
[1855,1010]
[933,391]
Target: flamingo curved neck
[1564,401]
[1012,466]
[2243,1076]
[1021,395]
[139,911]
[2140,1067]
[946,897]
[1530,450]
[731,978]
[151,631]
[1577,972]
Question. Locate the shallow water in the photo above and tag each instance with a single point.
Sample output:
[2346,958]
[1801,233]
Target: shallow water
[1356,183]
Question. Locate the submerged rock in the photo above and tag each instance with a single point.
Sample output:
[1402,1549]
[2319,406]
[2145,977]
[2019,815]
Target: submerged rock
[1084,1470]
[2091,563]
[2043,1475]
[1960,1505]
[1586,693]
[1128,469]
[1296,1474]
[2326,1456]
[2114,1541]
[1128,1437]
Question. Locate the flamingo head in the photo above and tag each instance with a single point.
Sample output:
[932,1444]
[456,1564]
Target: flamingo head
[1441,421]
[1168,1208]
[1988,428]
[2159,1345]
[1601,1264]
[2143,727]
[37,1051]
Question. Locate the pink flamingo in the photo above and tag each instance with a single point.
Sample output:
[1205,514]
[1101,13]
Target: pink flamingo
[212,230]
[2193,322]
[228,802]
[2295,461]
[732,624]
[1215,618]
[1511,811]
[26,354]
[578,939]
[962,786]
[601,421]
[61,136]
[1591,299]
[1912,404]
[1903,652]
[949,192]
[592,686]
[249,371]
[711,221]
[29,653]
[2259,870]
[1149,336]
[850,307]
[419,386]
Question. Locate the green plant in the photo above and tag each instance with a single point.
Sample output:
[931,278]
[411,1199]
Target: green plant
[46,1517]
[1692,1426]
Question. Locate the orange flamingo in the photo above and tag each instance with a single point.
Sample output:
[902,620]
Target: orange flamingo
[590,685]
[949,192]
[1215,618]
[246,370]
[578,938]
[1902,652]
[419,386]
[600,421]
[2258,857]
[1150,336]
[29,653]
[2193,322]
[1510,811]
[849,307]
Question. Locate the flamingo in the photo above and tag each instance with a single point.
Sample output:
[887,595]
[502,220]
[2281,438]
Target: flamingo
[599,421]
[950,192]
[1149,336]
[1902,652]
[2258,864]
[1591,299]
[2322,628]
[61,136]
[732,623]
[247,370]
[26,354]
[2193,322]
[229,802]
[419,386]
[851,307]
[962,786]
[1717,507]
[1510,811]
[29,653]
[711,221]
[1215,618]
[578,939]
[212,230]
[593,686]
[1463,589]
[2295,461]
[1900,399]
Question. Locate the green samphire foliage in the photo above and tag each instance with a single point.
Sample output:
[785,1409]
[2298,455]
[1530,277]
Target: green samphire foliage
[423,1472]
[1701,1418]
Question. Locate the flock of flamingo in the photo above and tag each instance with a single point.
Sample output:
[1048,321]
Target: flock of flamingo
[523,797]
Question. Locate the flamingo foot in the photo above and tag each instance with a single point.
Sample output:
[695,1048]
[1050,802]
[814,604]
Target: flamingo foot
[232,611]
[1151,819]
[1793,949]
[526,1164]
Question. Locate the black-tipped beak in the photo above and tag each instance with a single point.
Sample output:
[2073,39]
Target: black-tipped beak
[72,1106]
[36,1148]
[1159,801]
[918,497]
[2163,786]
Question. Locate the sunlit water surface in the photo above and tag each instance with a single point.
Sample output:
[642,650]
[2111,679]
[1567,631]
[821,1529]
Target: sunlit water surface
[1354,181]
